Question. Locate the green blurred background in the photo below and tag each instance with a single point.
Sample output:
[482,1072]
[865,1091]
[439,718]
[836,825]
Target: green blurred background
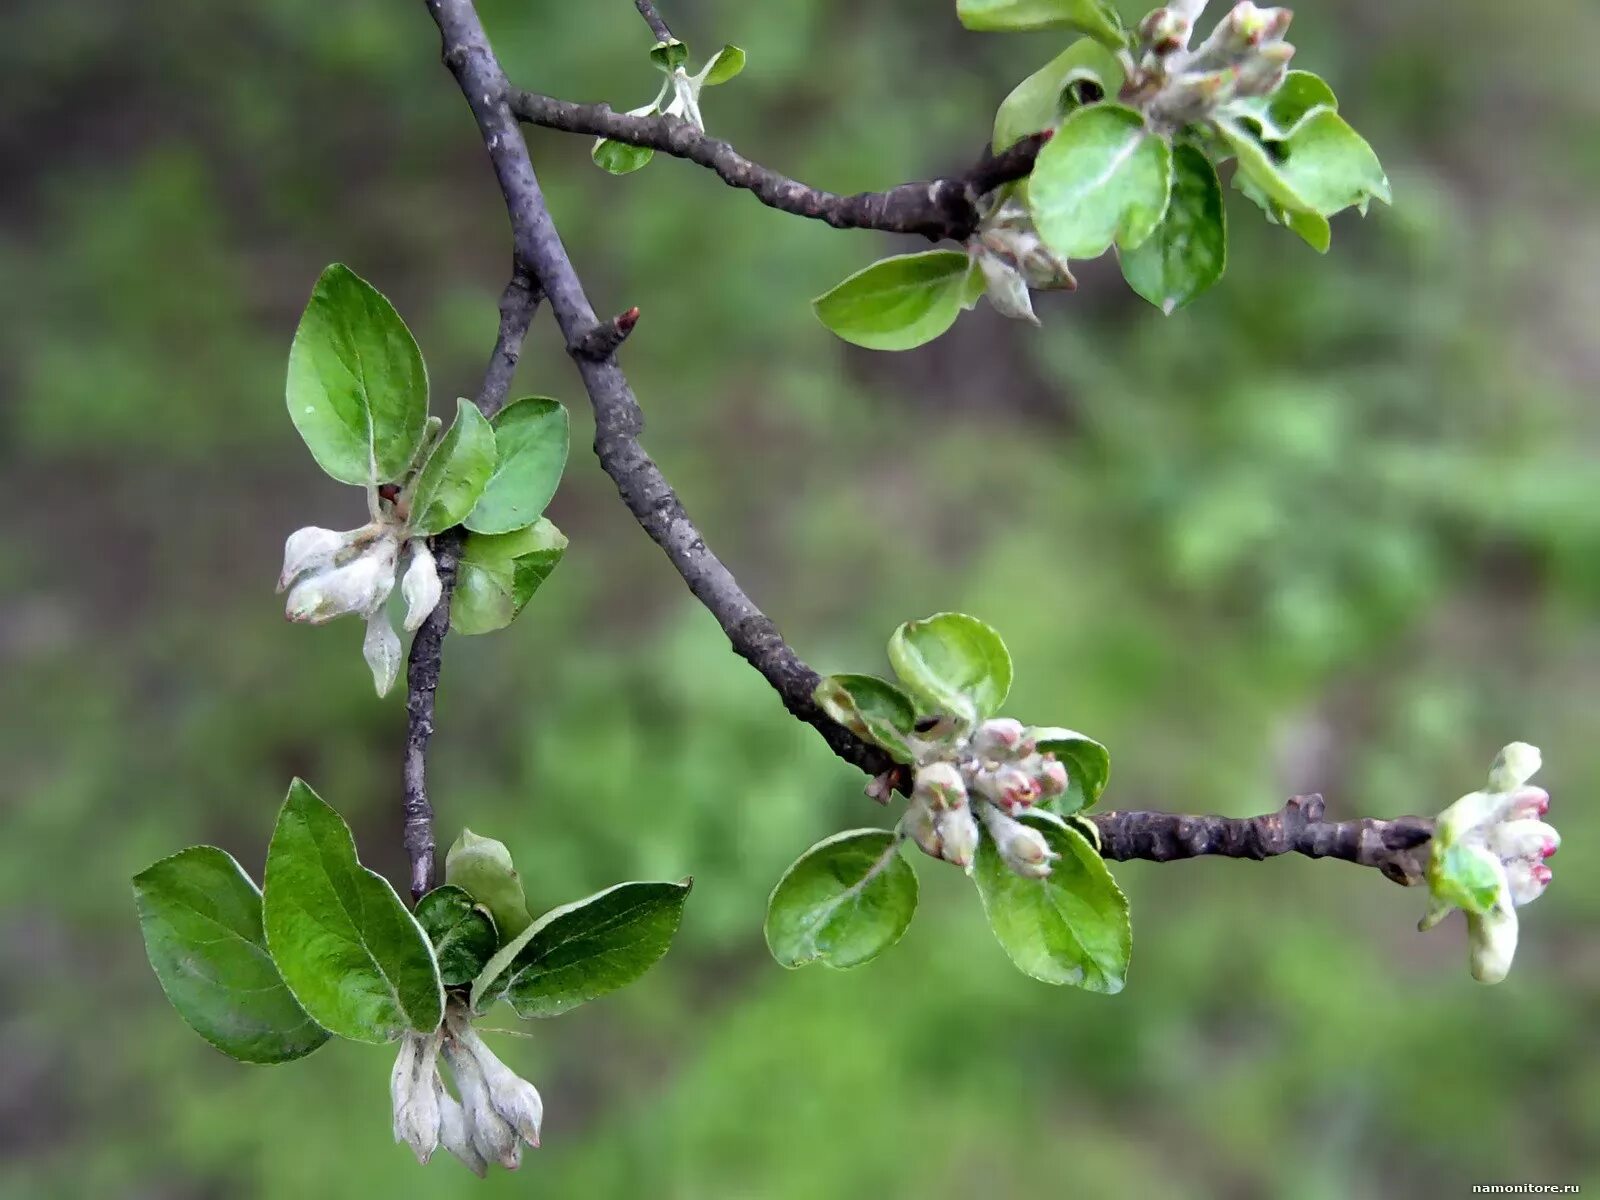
[1334,528]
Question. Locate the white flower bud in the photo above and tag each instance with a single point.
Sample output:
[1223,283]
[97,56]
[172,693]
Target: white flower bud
[381,649]
[1525,838]
[492,1137]
[1527,880]
[358,586]
[513,1097]
[1023,848]
[1001,738]
[1006,289]
[415,1098]
[309,549]
[1493,937]
[921,826]
[1514,766]
[420,585]
[454,1135]
[958,837]
[940,786]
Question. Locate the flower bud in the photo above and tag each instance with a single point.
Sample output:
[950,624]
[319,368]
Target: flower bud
[1010,787]
[381,649]
[958,837]
[1527,880]
[513,1097]
[940,786]
[1164,31]
[1001,738]
[309,549]
[921,826]
[358,586]
[415,1098]
[1006,289]
[1261,74]
[1493,938]
[1514,766]
[492,1137]
[1526,838]
[1525,802]
[454,1135]
[1023,848]
[420,585]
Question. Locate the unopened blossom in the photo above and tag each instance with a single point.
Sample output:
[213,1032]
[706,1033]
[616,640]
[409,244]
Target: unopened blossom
[415,1095]
[1021,847]
[420,586]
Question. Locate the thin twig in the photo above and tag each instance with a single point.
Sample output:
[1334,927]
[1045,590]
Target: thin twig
[937,209]
[647,10]
[1158,837]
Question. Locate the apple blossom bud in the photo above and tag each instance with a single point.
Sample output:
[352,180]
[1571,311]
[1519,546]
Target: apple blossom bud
[1261,74]
[1023,848]
[1008,786]
[1527,880]
[309,549]
[1006,289]
[1001,738]
[381,649]
[1164,31]
[1493,938]
[492,1136]
[940,786]
[513,1097]
[416,1101]
[1514,766]
[454,1135]
[1051,776]
[1526,802]
[420,585]
[920,825]
[358,586]
[958,836]
[1525,838]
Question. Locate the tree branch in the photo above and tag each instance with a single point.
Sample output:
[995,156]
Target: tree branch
[647,10]
[937,209]
[1158,837]
[518,303]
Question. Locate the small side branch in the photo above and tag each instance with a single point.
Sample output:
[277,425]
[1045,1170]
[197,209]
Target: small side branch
[647,10]
[937,209]
[1393,847]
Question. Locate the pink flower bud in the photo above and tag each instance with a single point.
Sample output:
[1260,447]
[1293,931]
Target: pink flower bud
[1527,880]
[1001,738]
[940,786]
[1526,838]
[1010,787]
[1052,776]
[1526,802]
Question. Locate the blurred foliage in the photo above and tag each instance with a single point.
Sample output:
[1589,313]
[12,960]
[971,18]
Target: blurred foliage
[1333,528]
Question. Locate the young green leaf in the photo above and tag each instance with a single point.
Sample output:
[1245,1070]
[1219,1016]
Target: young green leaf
[871,708]
[1466,876]
[723,66]
[1097,18]
[1324,168]
[901,302]
[499,573]
[1088,766]
[1189,249]
[619,158]
[1059,87]
[455,474]
[482,868]
[1278,115]
[583,950]
[354,958]
[531,439]
[669,55]
[462,931]
[201,919]
[953,664]
[357,389]
[1069,927]
[843,902]
[1104,178]
[1311,228]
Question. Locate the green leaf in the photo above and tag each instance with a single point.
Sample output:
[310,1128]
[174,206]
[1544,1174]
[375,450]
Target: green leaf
[901,302]
[669,55]
[201,919]
[1466,876]
[482,867]
[531,439]
[871,708]
[1088,766]
[1097,18]
[954,664]
[1278,115]
[843,902]
[455,474]
[357,388]
[1189,249]
[462,931]
[724,65]
[1324,168]
[1042,99]
[1311,228]
[584,950]
[619,158]
[499,573]
[357,961]
[1069,927]
[1104,178]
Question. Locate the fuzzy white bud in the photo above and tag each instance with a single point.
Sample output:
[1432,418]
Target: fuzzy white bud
[513,1097]
[420,585]
[492,1137]
[381,649]
[958,837]
[922,827]
[1023,848]
[454,1135]
[1006,288]
[414,1095]
[1001,738]
[309,549]
[940,786]
[1493,937]
[358,586]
